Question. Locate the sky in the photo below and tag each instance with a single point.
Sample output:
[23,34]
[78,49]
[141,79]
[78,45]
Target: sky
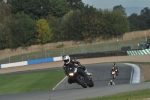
[131,6]
[109,4]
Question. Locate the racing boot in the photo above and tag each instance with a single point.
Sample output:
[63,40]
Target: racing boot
[90,74]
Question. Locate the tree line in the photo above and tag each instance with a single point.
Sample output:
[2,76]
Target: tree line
[30,22]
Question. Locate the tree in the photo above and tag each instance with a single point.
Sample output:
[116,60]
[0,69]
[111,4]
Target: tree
[5,11]
[121,23]
[59,8]
[22,30]
[55,24]
[140,22]
[76,4]
[44,32]
[72,26]
[91,23]
[5,37]
[116,24]
[145,18]
[79,25]
[145,11]
[120,8]
[134,22]
[36,9]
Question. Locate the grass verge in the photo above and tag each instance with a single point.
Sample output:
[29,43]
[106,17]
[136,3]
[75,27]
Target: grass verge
[29,82]
[135,95]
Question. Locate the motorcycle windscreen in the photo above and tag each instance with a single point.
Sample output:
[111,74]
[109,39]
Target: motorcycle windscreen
[70,69]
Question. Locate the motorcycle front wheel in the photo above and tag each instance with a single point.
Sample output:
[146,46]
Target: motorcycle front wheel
[91,83]
[81,81]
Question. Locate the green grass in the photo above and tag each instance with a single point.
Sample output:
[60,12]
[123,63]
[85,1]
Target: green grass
[143,63]
[134,95]
[35,81]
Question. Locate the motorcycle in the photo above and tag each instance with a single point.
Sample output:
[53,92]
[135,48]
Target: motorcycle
[77,75]
[113,73]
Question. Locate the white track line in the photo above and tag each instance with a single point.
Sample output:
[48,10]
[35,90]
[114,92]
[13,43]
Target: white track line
[59,83]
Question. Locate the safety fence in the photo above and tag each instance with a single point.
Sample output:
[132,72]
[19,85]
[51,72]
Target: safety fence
[78,56]
[138,52]
[59,58]
[132,39]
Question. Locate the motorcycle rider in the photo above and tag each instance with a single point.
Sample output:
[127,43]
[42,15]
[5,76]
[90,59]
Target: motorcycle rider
[68,61]
[116,68]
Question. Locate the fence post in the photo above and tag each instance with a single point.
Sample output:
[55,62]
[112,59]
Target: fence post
[45,54]
[9,59]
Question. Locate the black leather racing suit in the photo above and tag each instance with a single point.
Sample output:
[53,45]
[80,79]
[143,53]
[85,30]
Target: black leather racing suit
[72,63]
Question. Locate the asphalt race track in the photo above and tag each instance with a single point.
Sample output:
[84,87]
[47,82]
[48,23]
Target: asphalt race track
[101,77]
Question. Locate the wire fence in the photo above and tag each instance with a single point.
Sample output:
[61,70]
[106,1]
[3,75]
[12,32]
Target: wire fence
[131,39]
[76,49]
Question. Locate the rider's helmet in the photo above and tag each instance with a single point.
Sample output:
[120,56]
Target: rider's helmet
[113,68]
[66,59]
[114,64]
[111,80]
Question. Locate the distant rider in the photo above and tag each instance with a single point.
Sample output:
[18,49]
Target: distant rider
[113,70]
[116,68]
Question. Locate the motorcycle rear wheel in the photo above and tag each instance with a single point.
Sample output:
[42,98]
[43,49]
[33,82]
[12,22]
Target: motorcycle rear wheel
[113,76]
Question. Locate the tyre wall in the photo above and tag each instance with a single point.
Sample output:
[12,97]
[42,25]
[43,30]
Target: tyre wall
[99,54]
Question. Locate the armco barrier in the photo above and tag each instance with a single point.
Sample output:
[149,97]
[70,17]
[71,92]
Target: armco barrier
[99,54]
